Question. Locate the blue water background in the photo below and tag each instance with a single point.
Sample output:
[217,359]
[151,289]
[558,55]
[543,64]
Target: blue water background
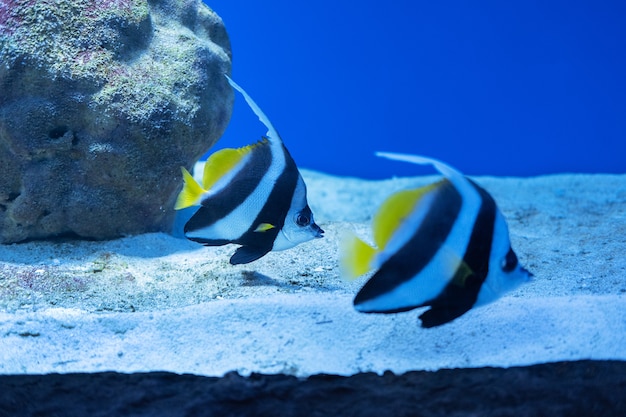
[492,87]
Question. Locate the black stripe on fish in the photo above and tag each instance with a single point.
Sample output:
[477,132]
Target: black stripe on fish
[219,205]
[413,256]
[273,212]
[460,295]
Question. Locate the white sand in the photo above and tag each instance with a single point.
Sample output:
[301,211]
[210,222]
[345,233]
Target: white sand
[154,302]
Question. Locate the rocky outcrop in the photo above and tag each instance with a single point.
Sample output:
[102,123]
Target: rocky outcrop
[101,102]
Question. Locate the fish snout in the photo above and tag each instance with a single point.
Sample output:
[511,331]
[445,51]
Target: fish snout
[318,232]
[529,274]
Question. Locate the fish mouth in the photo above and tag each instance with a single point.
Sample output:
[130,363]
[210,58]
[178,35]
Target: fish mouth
[529,274]
[318,232]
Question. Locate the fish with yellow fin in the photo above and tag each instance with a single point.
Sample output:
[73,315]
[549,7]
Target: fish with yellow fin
[253,196]
[445,246]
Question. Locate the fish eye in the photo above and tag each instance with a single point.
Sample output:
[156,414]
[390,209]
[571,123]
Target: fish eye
[302,220]
[509,263]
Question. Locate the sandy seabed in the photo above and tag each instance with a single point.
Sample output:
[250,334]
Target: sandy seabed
[154,302]
[158,303]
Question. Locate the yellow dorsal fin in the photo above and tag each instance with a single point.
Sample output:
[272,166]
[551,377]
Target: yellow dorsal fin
[356,257]
[221,162]
[191,192]
[394,211]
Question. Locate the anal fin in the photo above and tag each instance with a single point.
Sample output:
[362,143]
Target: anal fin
[247,254]
[438,315]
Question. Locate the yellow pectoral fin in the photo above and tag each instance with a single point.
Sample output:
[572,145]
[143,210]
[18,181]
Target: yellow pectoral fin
[191,192]
[394,211]
[356,257]
[454,266]
[461,275]
[264,227]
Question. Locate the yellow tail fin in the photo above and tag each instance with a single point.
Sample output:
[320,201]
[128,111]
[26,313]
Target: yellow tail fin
[191,192]
[356,257]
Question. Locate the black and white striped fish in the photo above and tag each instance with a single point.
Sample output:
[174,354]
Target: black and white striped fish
[252,196]
[445,245]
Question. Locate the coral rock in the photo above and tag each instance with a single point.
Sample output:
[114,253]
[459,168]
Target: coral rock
[101,102]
